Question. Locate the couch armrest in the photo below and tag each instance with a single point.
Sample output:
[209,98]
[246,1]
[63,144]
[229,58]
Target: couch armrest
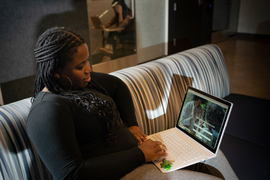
[18,157]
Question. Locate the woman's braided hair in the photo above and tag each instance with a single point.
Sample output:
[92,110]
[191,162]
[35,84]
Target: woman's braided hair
[54,48]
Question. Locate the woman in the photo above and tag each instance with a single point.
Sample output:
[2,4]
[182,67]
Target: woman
[190,112]
[82,123]
[123,19]
[74,122]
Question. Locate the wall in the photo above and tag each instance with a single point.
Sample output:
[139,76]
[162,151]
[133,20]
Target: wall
[21,24]
[254,17]
[1,98]
[220,15]
[225,20]
[22,21]
[234,16]
[151,19]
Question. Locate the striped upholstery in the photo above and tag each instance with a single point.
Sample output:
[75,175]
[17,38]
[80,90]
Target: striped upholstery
[19,160]
[157,89]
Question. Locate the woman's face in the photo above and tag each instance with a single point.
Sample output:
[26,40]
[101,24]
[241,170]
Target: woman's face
[78,70]
[197,102]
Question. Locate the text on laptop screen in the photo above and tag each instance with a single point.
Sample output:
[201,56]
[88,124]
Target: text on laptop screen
[202,117]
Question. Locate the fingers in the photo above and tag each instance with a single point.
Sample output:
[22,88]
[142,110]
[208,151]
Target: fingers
[140,137]
[153,149]
[160,148]
[140,141]
[136,131]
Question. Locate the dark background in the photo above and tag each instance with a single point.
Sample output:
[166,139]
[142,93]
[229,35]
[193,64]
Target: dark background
[22,22]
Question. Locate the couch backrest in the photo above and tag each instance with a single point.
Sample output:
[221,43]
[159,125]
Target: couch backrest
[158,87]
[18,157]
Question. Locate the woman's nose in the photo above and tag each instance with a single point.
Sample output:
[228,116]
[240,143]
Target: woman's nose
[87,68]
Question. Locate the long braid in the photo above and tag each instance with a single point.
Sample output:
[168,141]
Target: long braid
[53,49]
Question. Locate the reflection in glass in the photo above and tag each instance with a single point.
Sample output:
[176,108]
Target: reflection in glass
[112,29]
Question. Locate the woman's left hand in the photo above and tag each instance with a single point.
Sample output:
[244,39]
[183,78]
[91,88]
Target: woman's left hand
[136,131]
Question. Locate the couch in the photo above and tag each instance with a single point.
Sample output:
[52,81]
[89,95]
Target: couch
[157,89]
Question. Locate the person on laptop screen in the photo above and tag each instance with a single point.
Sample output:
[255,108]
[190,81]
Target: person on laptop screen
[191,111]
[203,119]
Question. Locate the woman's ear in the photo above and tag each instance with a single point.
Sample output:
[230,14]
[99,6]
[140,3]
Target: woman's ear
[57,74]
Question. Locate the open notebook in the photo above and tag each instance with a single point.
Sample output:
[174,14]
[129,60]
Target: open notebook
[198,133]
[97,22]
[98,25]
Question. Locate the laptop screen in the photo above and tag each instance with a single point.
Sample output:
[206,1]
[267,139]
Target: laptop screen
[204,117]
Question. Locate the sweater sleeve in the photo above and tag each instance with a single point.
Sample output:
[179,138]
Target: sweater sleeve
[54,137]
[120,94]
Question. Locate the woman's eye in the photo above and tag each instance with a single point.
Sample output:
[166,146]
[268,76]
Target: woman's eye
[80,67]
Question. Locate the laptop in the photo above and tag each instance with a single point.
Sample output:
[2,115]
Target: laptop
[197,134]
[97,22]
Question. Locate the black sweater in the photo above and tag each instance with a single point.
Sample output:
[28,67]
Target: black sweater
[70,140]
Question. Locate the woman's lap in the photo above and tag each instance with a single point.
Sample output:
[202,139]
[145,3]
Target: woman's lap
[221,164]
[149,171]
[215,168]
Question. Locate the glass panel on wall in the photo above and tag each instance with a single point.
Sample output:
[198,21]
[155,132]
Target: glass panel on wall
[112,29]
[220,15]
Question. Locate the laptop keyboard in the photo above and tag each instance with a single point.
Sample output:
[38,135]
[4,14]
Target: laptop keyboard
[178,147]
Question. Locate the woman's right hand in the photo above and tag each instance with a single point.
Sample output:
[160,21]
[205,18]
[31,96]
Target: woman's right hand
[152,150]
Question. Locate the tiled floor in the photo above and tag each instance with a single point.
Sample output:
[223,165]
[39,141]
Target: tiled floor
[248,64]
